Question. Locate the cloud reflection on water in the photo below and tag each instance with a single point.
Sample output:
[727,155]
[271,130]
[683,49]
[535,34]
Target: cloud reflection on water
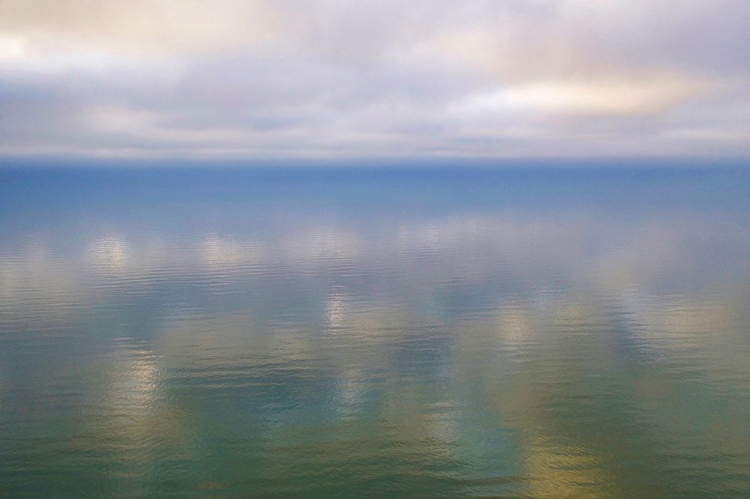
[552,342]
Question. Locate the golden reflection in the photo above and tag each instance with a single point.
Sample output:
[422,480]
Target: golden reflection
[565,471]
[336,312]
[350,391]
[218,252]
[558,462]
[690,317]
[132,417]
[134,380]
[109,252]
[514,326]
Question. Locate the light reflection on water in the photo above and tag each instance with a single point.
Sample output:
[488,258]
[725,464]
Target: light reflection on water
[403,341]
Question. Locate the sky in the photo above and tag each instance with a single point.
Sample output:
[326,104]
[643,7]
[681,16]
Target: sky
[328,79]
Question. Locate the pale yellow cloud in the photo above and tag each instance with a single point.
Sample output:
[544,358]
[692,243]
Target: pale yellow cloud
[137,27]
[648,95]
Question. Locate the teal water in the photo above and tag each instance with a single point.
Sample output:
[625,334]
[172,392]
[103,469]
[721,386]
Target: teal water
[397,333]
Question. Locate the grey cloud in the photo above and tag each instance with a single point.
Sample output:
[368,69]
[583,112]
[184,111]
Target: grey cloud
[273,79]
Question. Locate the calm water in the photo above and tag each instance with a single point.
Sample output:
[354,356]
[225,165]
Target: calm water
[187,333]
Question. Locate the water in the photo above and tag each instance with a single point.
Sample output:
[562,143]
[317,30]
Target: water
[393,333]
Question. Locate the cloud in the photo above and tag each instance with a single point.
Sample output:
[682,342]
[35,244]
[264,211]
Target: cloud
[651,95]
[258,79]
[137,27]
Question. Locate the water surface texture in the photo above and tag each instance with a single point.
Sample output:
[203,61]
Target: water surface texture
[395,333]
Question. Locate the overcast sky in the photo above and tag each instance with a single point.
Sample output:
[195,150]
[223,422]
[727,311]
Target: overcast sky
[255,79]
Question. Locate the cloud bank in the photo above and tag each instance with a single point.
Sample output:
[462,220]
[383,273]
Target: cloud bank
[255,79]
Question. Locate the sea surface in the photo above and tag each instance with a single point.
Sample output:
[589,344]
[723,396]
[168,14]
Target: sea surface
[447,332]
